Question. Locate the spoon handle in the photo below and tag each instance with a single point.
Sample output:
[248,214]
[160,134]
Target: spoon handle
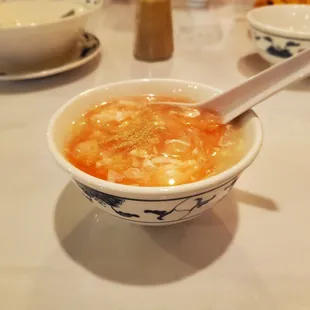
[236,101]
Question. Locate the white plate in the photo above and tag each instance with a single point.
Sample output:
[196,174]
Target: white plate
[87,49]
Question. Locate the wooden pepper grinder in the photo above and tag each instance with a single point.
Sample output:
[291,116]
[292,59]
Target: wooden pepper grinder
[154,34]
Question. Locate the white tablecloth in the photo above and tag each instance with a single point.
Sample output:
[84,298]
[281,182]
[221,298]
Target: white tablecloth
[250,252]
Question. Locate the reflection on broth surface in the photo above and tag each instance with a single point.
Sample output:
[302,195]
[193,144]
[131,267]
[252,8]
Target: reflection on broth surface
[132,141]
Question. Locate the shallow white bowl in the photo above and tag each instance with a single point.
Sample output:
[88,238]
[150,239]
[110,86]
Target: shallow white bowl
[41,35]
[280,31]
[150,205]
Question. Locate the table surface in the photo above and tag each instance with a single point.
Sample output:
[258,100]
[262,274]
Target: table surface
[252,251]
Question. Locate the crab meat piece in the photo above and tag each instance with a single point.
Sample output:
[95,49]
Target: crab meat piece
[168,177]
[103,118]
[136,162]
[177,141]
[106,160]
[139,153]
[176,146]
[187,112]
[87,151]
[119,116]
[113,176]
[195,151]
[147,163]
[165,160]
[133,173]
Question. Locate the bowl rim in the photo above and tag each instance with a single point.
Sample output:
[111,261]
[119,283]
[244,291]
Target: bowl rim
[273,30]
[137,191]
[89,10]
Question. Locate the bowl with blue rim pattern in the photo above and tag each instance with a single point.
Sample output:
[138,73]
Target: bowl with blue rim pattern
[150,205]
[39,33]
[280,31]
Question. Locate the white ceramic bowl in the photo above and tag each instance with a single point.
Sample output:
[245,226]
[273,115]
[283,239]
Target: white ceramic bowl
[280,31]
[150,205]
[33,34]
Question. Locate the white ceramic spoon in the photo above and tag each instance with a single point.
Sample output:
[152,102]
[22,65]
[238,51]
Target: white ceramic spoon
[243,97]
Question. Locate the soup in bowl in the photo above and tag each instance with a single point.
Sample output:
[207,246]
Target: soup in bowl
[147,162]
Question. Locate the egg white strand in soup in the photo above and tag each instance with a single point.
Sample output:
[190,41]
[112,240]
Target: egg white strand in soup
[30,13]
[133,142]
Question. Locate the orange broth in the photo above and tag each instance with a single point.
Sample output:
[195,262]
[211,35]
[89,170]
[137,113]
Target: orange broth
[132,141]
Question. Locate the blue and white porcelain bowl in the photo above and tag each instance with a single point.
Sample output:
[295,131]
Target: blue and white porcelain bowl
[150,205]
[35,33]
[280,31]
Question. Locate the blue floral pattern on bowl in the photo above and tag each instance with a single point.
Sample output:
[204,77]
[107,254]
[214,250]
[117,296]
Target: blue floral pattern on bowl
[157,212]
[275,48]
[89,44]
